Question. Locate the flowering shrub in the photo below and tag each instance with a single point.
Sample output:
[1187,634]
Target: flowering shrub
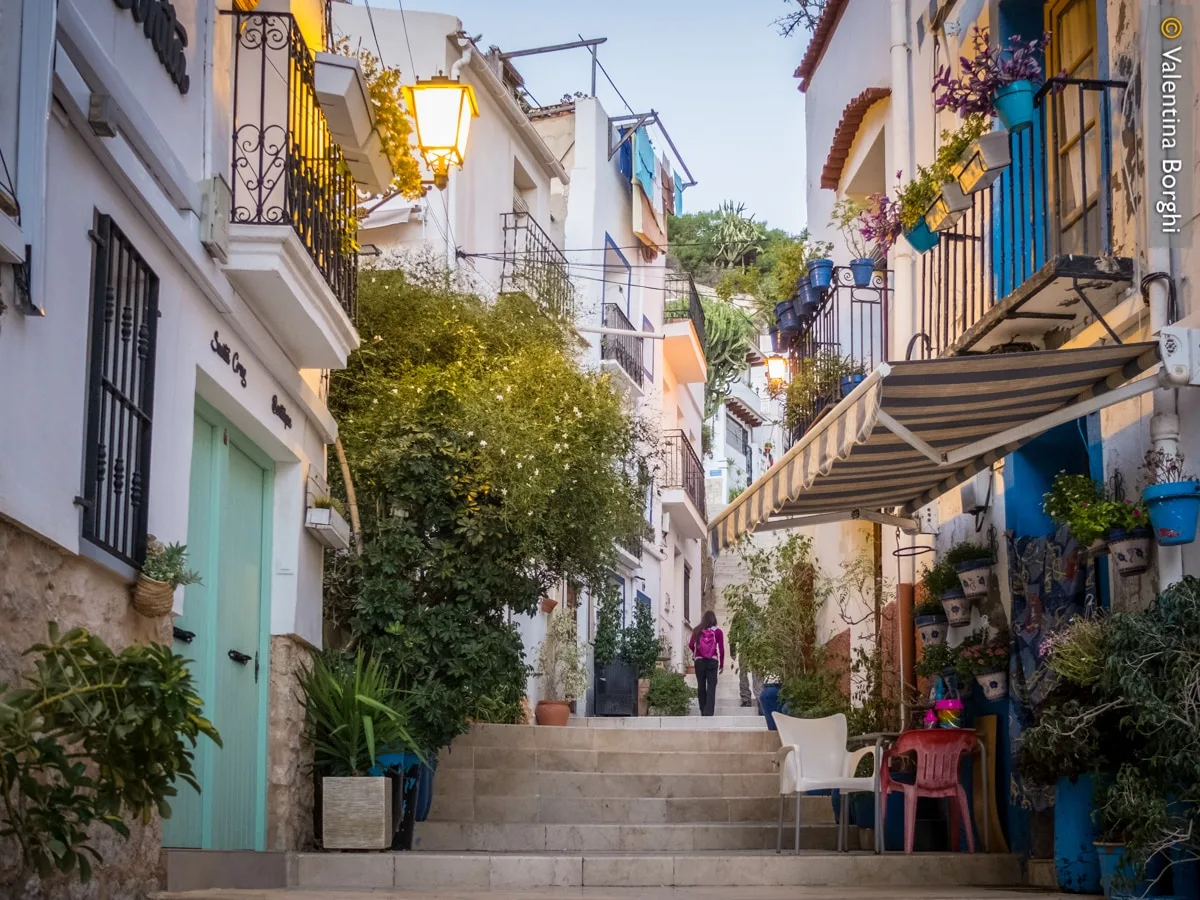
[1086,509]
[980,654]
[1166,468]
[879,223]
[991,68]
[1076,653]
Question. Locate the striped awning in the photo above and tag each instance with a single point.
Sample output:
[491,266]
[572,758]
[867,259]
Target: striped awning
[914,430]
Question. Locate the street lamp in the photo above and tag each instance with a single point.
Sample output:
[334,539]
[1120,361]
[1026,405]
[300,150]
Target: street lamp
[777,367]
[442,109]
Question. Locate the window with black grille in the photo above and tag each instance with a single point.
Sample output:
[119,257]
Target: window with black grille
[124,329]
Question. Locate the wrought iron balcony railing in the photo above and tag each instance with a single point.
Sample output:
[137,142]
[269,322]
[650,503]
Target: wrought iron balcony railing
[534,265]
[624,350]
[1047,216]
[682,303]
[287,168]
[837,346]
[683,470]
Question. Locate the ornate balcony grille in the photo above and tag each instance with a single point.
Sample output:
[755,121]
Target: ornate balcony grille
[287,168]
[625,350]
[1054,202]
[534,265]
[682,469]
[682,303]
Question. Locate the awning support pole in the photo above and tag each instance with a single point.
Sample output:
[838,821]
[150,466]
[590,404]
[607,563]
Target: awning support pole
[923,447]
[1051,420]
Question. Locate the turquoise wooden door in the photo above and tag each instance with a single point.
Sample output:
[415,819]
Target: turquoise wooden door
[224,630]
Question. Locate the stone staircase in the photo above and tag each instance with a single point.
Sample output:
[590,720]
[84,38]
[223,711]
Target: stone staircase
[606,788]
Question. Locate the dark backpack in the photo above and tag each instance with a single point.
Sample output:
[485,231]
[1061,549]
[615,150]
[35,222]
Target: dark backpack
[706,647]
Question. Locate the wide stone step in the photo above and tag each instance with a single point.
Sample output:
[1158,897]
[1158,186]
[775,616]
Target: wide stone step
[557,809]
[572,785]
[526,738]
[610,761]
[930,876]
[739,721]
[568,838]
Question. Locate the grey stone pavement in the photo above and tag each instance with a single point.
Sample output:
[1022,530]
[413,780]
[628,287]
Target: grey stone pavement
[647,893]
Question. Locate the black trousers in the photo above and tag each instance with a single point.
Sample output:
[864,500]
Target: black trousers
[706,685]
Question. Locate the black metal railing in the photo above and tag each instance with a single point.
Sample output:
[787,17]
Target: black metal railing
[838,346]
[682,469]
[534,265]
[682,303]
[624,349]
[287,167]
[633,546]
[1053,200]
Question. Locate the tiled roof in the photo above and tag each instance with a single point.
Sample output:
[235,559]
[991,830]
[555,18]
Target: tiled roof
[820,40]
[844,134]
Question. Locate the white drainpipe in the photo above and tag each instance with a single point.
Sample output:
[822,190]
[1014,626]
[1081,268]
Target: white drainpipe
[903,320]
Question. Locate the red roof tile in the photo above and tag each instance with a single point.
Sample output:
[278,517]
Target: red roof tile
[822,34]
[844,134]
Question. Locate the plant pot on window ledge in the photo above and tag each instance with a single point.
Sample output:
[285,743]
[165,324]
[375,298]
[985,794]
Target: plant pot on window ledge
[328,527]
[342,92]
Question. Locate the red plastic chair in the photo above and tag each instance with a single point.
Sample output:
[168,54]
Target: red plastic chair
[939,753]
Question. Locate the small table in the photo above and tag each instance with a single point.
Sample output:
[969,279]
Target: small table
[883,738]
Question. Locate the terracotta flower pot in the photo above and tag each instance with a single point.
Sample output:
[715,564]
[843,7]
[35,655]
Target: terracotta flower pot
[548,605]
[153,598]
[552,712]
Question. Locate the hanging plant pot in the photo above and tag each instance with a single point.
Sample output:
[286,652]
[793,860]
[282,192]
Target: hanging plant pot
[1130,550]
[947,208]
[773,332]
[151,598]
[1014,105]
[932,629]
[548,605]
[328,526]
[994,684]
[342,92]
[369,165]
[983,162]
[921,238]
[805,301]
[786,318]
[820,274]
[862,270]
[957,607]
[974,575]
[850,382]
[1173,510]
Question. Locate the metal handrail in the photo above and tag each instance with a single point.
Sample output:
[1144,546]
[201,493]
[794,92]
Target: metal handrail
[684,469]
[533,264]
[625,350]
[683,303]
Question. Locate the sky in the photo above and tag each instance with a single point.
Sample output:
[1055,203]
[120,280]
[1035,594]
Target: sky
[717,71]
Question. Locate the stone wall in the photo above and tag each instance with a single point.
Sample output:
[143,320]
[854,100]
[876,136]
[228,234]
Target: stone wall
[39,583]
[289,757]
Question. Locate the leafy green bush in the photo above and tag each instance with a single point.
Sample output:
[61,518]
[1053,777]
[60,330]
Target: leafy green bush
[669,694]
[607,642]
[640,643]
[938,580]
[935,659]
[1086,509]
[963,552]
[353,712]
[91,737]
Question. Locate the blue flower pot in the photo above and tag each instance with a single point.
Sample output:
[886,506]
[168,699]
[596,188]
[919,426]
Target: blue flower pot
[1014,105]
[1173,510]
[1117,874]
[861,270]
[768,704]
[850,382]
[773,332]
[786,318]
[806,301]
[921,237]
[820,274]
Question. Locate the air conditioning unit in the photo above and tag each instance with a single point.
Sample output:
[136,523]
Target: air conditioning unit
[214,218]
[666,521]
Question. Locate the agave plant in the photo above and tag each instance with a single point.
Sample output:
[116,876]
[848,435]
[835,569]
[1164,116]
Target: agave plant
[353,713]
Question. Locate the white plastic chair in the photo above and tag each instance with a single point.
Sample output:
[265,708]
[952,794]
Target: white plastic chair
[814,758]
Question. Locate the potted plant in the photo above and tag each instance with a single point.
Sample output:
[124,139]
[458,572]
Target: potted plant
[985,658]
[668,694]
[879,224]
[975,156]
[773,333]
[163,570]
[562,670]
[936,659]
[325,520]
[820,273]
[943,594]
[973,565]
[354,713]
[996,81]
[806,300]
[640,648]
[1172,498]
[847,217]
[786,319]
[913,200]
[951,202]
[1129,537]
[1081,504]
[615,679]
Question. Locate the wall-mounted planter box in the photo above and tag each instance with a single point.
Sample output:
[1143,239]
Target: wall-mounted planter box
[328,527]
[983,162]
[369,165]
[344,98]
[945,211]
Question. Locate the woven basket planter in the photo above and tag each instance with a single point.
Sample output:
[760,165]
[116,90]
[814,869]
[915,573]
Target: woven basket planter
[153,598]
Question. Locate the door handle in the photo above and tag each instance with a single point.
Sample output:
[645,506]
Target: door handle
[240,658]
[182,634]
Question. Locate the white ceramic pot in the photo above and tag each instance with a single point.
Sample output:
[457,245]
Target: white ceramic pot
[974,577]
[994,684]
[1130,551]
[958,609]
[932,630]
